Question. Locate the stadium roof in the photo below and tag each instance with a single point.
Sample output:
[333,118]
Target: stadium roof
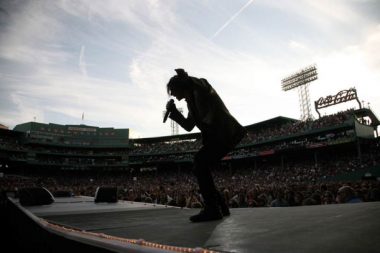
[167,138]
[365,112]
[280,120]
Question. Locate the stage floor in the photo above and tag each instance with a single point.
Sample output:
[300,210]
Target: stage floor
[328,228]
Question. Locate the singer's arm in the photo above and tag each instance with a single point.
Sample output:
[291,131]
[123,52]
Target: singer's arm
[186,123]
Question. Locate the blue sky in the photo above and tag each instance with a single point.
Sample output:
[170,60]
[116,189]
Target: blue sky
[111,60]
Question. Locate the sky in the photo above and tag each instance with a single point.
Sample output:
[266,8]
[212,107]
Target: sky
[107,63]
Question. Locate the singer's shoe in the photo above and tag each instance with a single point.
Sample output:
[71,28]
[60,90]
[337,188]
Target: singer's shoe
[223,206]
[207,214]
[225,210]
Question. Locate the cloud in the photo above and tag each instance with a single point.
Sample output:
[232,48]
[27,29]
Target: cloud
[297,45]
[352,66]
[112,61]
[55,85]
[371,48]
[320,13]
[147,15]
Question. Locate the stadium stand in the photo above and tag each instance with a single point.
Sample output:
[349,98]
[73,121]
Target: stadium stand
[281,160]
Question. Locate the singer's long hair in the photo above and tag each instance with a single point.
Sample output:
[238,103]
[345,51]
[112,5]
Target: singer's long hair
[180,81]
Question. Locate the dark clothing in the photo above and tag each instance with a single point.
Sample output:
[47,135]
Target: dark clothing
[206,159]
[208,112]
[221,132]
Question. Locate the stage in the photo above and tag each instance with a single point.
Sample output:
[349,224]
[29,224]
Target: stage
[327,228]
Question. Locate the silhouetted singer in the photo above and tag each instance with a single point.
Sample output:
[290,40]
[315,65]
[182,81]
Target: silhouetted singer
[221,132]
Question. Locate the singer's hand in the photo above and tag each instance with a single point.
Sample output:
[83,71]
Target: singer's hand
[170,106]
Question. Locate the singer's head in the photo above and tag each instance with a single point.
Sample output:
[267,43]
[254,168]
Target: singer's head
[179,85]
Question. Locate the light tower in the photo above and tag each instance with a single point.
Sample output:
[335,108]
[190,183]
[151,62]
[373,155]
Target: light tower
[301,80]
[173,125]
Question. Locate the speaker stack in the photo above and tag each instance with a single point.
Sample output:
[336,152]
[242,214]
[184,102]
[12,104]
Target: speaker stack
[106,194]
[35,196]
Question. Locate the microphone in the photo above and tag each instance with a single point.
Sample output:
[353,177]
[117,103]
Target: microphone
[169,104]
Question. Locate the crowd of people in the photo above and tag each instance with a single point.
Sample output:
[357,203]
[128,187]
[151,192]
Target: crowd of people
[269,185]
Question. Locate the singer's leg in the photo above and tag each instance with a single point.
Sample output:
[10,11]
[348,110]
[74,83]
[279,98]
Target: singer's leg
[207,157]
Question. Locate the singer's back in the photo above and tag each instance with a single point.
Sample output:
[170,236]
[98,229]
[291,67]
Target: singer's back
[212,116]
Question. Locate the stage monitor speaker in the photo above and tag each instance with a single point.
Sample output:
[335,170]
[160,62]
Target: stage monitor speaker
[106,194]
[35,196]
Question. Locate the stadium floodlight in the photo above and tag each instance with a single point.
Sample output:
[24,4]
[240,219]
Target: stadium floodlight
[301,80]
[173,125]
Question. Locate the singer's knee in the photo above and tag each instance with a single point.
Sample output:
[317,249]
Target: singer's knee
[199,162]
[200,159]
